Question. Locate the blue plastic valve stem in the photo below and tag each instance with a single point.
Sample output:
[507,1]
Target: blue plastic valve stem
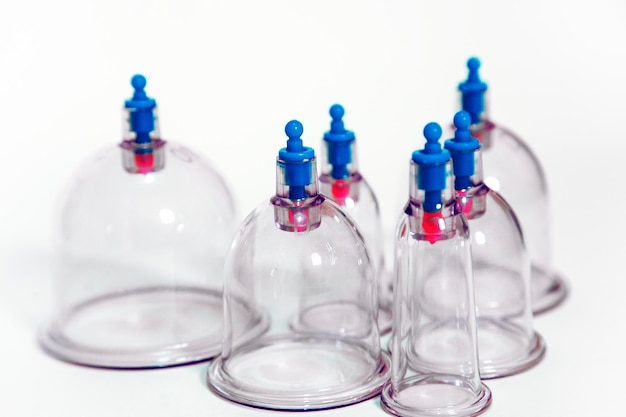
[141,113]
[297,159]
[339,143]
[473,91]
[462,147]
[431,163]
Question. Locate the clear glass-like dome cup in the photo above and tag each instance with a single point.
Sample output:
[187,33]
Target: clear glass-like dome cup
[434,354]
[357,198]
[139,258]
[514,171]
[507,343]
[305,275]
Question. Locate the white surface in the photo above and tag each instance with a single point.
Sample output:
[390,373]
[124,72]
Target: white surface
[229,75]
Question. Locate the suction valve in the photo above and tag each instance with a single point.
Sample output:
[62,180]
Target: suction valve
[295,155]
[473,91]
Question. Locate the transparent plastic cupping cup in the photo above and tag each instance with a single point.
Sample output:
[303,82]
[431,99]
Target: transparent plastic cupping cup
[434,350]
[507,343]
[140,240]
[300,267]
[342,181]
[513,169]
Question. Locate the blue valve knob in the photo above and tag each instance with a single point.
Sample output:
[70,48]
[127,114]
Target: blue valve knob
[339,143]
[462,147]
[295,155]
[473,91]
[141,110]
[431,163]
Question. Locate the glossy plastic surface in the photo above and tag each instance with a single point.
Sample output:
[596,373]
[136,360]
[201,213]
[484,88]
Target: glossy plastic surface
[507,341]
[302,269]
[361,204]
[511,169]
[342,181]
[434,351]
[138,263]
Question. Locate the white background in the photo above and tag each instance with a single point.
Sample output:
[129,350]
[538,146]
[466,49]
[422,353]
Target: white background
[228,75]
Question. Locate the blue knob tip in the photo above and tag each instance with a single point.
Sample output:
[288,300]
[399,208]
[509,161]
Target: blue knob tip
[337,111]
[432,154]
[140,102]
[463,142]
[138,82]
[432,132]
[462,120]
[473,64]
[294,129]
